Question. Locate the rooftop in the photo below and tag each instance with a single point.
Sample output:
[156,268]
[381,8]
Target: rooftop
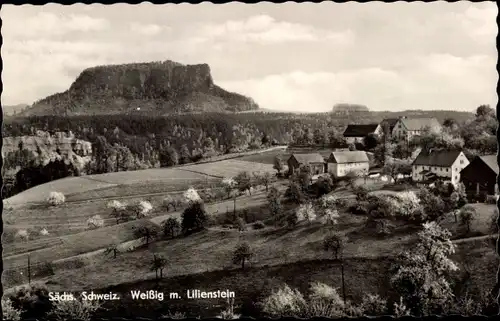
[349,157]
[360,130]
[442,158]
[308,158]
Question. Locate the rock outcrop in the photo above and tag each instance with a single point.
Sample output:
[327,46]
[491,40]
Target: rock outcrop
[153,88]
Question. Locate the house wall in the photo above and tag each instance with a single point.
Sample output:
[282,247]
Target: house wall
[417,176]
[460,163]
[452,173]
[353,140]
[340,170]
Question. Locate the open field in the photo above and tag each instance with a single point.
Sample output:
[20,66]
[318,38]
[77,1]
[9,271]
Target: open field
[229,168]
[69,185]
[124,191]
[268,157]
[212,249]
[362,275]
[145,181]
[480,225]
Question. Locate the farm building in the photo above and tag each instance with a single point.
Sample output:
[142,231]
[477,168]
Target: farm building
[387,125]
[439,165]
[406,128]
[341,163]
[480,176]
[315,161]
[356,133]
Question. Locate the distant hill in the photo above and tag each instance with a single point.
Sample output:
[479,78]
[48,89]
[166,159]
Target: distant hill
[349,108]
[146,88]
[9,110]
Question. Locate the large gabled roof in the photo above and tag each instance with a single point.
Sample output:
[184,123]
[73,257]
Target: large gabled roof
[349,157]
[419,123]
[308,158]
[360,130]
[391,122]
[491,162]
[442,158]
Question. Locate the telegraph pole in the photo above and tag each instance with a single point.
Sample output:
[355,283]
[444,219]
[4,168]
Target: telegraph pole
[29,270]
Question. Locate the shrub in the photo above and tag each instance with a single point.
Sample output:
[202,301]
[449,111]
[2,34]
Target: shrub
[174,316]
[258,225]
[242,253]
[323,292]
[361,193]
[22,234]
[33,302]
[330,217]
[171,227]
[306,212]
[167,201]
[334,243]
[74,310]
[9,312]
[191,196]
[240,224]
[56,198]
[373,305]
[228,313]
[44,232]
[116,205]
[146,233]
[194,218]
[294,193]
[95,221]
[143,209]
[467,215]
[284,302]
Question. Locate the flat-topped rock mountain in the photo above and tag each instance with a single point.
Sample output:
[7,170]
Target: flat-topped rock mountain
[156,87]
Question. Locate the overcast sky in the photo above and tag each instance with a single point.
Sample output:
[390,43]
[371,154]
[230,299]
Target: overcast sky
[295,57]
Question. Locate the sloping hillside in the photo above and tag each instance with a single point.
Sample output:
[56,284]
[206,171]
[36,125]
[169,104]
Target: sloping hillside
[156,87]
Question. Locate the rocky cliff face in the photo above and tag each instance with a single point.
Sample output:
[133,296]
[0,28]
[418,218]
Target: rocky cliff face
[43,148]
[158,87]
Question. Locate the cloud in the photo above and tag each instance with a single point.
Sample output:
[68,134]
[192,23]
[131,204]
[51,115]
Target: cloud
[47,24]
[435,79]
[266,30]
[147,29]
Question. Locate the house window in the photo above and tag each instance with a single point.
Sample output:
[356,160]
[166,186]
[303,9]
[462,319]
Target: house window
[447,169]
[456,177]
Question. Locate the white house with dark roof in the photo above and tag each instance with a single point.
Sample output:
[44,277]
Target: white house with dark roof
[439,164]
[315,161]
[406,128]
[356,133]
[341,163]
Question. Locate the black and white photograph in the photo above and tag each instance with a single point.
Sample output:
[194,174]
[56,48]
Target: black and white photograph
[171,161]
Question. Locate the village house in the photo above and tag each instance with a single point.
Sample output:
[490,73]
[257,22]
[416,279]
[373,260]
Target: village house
[435,165]
[406,128]
[387,125]
[341,163]
[480,176]
[315,161]
[357,133]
